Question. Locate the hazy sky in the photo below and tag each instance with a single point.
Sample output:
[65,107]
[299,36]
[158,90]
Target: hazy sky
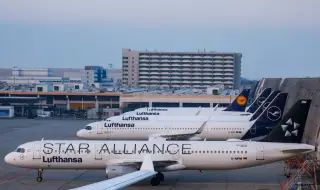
[277,38]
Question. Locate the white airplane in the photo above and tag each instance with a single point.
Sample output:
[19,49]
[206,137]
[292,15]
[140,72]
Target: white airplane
[123,157]
[234,108]
[189,128]
[255,111]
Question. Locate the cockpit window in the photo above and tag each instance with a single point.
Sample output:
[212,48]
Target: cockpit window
[21,150]
[88,128]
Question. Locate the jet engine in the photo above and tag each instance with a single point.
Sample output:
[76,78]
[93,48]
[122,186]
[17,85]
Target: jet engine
[115,171]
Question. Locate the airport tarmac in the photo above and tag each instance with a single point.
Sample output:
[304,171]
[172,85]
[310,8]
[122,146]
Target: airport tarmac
[14,132]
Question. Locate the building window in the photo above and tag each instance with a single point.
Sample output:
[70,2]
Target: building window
[56,88]
[76,87]
[124,57]
[39,89]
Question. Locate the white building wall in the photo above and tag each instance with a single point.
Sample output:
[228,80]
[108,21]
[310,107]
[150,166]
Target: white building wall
[30,72]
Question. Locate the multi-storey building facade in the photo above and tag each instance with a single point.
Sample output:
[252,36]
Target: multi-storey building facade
[180,69]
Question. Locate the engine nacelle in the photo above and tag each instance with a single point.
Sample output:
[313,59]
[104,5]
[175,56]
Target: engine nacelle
[175,167]
[115,171]
[195,139]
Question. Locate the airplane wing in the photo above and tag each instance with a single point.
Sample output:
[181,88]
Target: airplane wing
[146,170]
[178,136]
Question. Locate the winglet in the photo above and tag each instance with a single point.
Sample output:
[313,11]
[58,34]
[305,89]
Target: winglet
[199,131]
[216,107]
[147,164]
[42,138]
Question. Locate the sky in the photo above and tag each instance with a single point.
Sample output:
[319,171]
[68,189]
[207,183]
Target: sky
[276,38]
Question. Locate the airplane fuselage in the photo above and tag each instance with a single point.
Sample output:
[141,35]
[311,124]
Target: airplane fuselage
[142,130]
[173,155]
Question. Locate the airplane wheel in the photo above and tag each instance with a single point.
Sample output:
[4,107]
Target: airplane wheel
[155,181]
[39,179]
[160,176]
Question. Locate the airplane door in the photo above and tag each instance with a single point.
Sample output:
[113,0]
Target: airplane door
[260,152]
[98,152]
[99,129]
[36,151]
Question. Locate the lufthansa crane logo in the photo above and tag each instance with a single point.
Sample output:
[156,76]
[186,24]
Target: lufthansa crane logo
[241,100]
[261,100]
[274,113]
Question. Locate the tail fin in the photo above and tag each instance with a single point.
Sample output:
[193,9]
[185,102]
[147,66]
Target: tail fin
[291,128]
[239,104]
[265,104]
[259,100]
[267,119]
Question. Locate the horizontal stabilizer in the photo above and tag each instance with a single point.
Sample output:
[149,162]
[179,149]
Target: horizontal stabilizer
[295,151]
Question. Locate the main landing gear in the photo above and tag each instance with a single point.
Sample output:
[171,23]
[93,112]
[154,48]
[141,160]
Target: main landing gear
[39,178]
[155,181]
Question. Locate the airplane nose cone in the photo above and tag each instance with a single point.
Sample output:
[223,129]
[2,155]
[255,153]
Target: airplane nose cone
[81,133]
[9,158]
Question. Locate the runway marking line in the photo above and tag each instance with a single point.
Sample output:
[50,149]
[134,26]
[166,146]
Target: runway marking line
[15,176]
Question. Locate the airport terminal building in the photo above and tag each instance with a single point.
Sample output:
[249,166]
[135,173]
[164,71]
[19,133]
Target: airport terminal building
[180,69]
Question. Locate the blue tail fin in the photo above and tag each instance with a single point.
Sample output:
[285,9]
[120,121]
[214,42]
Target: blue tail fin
[291,128]
[264,104]
[240,102]
[259,100]
[267,119]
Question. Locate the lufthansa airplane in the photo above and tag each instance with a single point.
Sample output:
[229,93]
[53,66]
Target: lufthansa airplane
[118,158]
[189,128]
[254,112]
[237,106]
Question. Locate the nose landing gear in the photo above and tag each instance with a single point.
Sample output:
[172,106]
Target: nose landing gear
[155,181]
[39,178]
